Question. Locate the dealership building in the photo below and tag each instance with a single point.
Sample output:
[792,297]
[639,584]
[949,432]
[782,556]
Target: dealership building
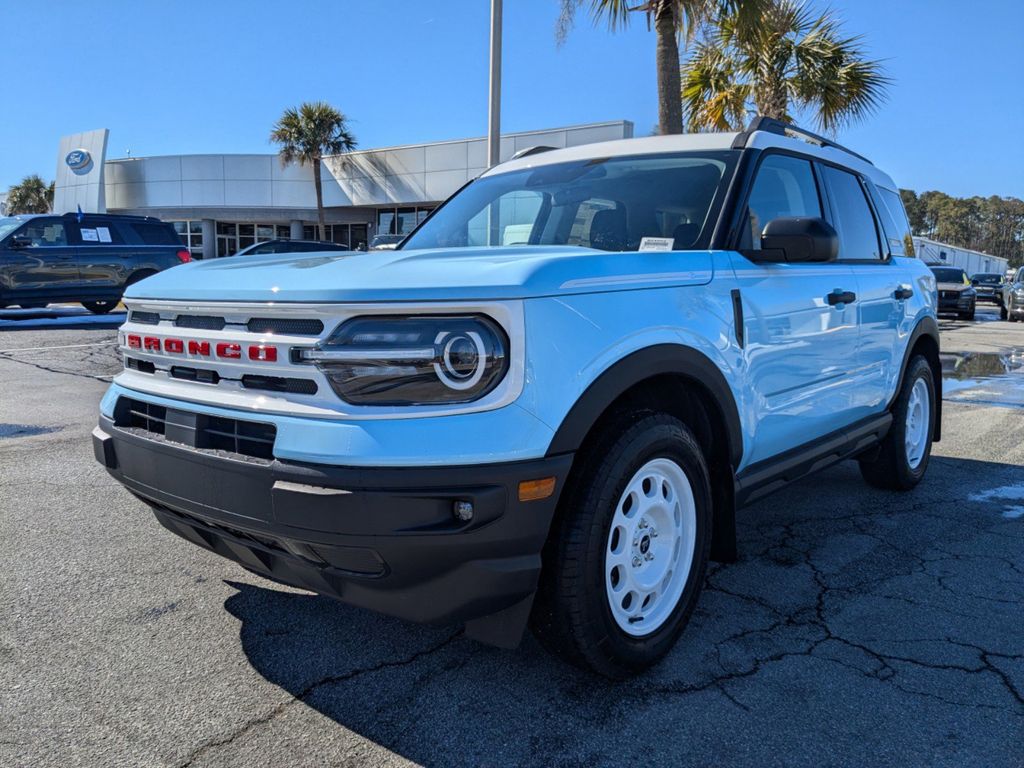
[223,203]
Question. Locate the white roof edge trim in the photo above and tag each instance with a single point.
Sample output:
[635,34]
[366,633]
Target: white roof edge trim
[648,145]
[766,140]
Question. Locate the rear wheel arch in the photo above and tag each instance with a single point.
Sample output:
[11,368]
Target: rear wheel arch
[139,274]
[924,341]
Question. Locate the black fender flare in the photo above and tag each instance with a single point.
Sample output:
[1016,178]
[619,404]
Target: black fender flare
[636,367]
[927,326]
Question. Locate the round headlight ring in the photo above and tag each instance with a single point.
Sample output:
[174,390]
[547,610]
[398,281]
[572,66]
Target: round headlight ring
[446,369]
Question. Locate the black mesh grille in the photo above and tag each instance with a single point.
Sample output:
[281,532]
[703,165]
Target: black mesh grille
[143,366]
[203,322]
[146,318]
[142,415]
[213,433]
[235,436]
[280,384]
[195,374]
[296,326]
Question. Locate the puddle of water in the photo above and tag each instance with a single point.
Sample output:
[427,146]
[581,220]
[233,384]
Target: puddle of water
[1007,493]
[985,378]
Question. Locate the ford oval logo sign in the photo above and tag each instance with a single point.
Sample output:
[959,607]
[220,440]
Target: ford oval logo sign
[77,159]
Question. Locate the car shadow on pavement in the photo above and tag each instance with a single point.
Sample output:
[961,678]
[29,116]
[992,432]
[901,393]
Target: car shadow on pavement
[879,627]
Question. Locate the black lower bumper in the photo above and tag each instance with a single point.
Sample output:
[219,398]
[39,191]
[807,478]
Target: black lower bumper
[382,538]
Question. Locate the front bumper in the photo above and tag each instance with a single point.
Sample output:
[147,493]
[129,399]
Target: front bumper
[378,538]
[954,304]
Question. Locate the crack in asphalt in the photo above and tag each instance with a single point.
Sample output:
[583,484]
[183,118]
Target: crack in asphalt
[814,616]
[41,367]
[308,691]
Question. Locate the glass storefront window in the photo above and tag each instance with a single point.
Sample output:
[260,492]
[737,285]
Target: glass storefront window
[191,234]
[284,232]
[264,231]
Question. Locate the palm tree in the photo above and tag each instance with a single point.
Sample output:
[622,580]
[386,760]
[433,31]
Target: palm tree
[306,135]
[792,58]
[672,20]
[32,195]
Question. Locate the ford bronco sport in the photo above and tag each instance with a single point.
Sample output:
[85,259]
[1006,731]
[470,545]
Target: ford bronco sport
[545,407]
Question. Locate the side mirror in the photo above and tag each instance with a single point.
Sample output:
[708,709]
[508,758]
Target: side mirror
[797,240]
[19,241]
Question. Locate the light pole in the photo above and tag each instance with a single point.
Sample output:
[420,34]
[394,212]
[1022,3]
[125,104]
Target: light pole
[494,103]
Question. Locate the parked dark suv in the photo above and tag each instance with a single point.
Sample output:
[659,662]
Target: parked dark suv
[89,258]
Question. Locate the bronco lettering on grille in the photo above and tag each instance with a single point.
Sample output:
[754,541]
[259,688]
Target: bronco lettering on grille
[225,350]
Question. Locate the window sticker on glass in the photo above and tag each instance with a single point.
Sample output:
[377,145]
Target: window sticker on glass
[90,235]
[104,234]
[656,244]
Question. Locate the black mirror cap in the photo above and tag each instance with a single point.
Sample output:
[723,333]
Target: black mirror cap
[799,239]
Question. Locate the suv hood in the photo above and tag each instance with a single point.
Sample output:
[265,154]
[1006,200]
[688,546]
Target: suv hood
[958,287]
[429,275]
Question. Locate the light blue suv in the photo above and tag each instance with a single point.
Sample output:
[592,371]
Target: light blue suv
[546,406]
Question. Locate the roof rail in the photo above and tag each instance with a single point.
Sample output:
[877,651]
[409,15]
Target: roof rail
[531,151]
[771,125]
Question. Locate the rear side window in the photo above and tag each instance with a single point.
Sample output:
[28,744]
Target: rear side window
[858,238]
[896,223]
[784,187]
[99,233]
[152,233]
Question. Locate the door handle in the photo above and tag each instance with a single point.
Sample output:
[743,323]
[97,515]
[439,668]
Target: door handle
[841,297]
[901,293]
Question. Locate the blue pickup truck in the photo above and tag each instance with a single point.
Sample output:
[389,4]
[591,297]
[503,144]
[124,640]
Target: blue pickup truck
[545,406]
[87,258]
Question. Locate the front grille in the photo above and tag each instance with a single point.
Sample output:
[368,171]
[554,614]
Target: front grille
[146,318]
[201,375]
[142,366]
[202,322]
[280,384]
[139,414]
[197,430]
[249,438]
[296,326]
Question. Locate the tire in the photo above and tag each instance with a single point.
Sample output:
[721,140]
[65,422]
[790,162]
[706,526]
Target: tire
[99,307]
[599,538]
[899,466]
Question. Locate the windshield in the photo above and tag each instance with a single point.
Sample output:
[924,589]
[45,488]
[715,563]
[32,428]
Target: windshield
[950,275]
[611,204]
[386,240]
[988,279]
[8,225]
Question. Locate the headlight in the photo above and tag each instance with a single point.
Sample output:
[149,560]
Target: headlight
[419,360]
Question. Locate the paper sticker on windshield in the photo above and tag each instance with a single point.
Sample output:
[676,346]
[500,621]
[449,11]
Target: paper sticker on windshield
[104,234]
[656,244]
[90,235]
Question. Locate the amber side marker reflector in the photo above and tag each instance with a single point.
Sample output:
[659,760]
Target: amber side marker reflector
[533,490]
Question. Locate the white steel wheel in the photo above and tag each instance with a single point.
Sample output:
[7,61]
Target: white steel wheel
[650,547]
[915,433]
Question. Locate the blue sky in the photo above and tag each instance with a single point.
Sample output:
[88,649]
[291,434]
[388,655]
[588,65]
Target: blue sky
[180,77]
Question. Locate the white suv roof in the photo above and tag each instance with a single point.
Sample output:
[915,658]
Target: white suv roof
[691,142]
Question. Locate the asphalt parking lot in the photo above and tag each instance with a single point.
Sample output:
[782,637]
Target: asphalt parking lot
[858,628]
